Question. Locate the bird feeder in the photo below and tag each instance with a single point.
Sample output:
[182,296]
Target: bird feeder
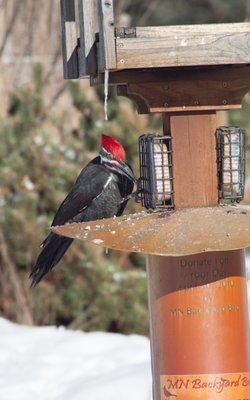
[199,323]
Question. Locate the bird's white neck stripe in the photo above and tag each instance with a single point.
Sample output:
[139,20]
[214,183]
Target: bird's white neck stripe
[108,181]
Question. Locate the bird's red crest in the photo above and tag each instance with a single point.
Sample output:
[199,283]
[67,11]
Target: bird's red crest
[112,146]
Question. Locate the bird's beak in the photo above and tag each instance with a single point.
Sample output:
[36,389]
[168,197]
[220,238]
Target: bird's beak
[127,171]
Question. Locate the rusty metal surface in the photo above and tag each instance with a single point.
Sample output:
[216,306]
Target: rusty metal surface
[183,232]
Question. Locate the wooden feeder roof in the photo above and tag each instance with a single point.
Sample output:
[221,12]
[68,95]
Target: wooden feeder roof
[188,45]
[190,67]
[179,233]
[91,43]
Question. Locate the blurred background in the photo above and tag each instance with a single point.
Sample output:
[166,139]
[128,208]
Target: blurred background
[49,130]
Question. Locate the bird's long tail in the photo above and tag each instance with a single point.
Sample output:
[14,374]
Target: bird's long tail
[53,249]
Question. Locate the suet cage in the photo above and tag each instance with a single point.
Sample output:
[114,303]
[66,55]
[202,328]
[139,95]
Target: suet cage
[231,163]
[156,172]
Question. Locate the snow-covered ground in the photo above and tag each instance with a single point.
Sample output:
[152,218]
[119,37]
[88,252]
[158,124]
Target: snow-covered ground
[57,364]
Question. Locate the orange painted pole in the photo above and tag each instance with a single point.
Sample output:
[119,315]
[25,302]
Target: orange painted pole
[198,304]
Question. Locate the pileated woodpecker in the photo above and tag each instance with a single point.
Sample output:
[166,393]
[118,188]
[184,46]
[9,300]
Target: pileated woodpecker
[101,191]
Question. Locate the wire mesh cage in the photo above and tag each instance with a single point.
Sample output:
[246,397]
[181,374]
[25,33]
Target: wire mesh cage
[156,171]
[231,163]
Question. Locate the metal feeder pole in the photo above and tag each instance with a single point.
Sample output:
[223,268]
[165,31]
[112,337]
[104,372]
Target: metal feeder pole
[198,304]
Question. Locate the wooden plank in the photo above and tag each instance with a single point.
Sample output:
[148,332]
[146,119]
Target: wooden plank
[107,47]
[218,107]
[218,73]
[88,29]
[194,159]
[69,40]
[179,32]
[179,90]
[192,45]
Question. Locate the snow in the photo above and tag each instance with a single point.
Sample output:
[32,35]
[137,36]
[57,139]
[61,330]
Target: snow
[28,184]
[51,363]
[97,241]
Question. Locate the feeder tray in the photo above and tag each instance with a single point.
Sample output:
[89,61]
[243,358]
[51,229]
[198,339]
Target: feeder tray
[177,233]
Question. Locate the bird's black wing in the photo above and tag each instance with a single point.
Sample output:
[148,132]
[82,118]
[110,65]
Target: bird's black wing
[127,190]
[89,185]
[126,187]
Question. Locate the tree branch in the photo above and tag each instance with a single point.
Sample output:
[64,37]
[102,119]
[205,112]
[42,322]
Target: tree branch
[11,24]
[247,10]
[23,311]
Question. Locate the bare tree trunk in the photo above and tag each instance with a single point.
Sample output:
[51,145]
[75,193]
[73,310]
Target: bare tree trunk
[23,313]
[247,10]
[149,11]
[10,24]
[121,6]
[247,19]
[7,303]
